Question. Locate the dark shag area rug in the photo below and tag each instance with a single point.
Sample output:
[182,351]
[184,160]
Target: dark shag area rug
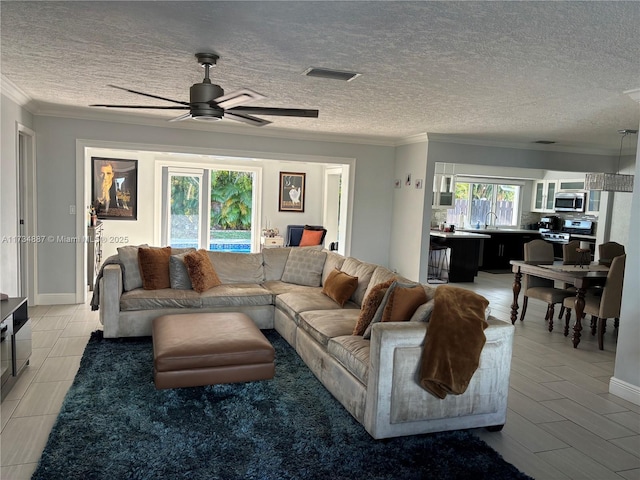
[114,424]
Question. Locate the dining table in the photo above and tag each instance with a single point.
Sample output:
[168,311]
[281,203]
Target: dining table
[580,276]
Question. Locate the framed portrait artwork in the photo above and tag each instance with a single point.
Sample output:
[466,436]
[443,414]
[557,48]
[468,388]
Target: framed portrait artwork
[114,193]
[292,192]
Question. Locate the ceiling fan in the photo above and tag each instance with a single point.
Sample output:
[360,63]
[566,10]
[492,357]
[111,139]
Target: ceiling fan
[207,101]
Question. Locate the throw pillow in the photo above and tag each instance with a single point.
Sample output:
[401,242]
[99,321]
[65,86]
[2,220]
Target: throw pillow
[311,238]
[423,312]
[154,267]
[178,273]
[340,286]
[403,303]
[128,256]
[383,305]
[370,305]
[304,267]
[201,272]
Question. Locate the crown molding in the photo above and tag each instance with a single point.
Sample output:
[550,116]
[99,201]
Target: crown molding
[417,138]
[488,142]
[634,94]
[14,93]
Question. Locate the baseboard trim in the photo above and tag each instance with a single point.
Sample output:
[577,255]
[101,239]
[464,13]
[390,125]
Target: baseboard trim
[56,299]
[624,390]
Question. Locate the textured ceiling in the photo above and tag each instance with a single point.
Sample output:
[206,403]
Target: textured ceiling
[513,72]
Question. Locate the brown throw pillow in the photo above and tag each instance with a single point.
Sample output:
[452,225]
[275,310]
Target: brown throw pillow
[154,267]
[201,272]
[403,303]
[370,305]
[339,286]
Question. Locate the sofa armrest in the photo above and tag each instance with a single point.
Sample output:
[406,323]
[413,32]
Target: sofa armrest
[110,293]
[398,405]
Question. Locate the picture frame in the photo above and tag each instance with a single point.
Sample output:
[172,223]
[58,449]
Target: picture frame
[419,183]
[407,180]
[396,183]
[114,192]
[292,192]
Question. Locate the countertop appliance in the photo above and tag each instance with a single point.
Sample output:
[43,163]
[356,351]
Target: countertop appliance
[569,201]
[551,222]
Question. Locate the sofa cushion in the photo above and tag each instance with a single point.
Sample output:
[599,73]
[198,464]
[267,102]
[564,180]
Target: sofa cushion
[324,325]
[278,287]
[352,352]
[201,272]
[236,295]
[140,299]
[128,256]
[304,266]
[403,302]
[296,302]
[154,267]
[178,274]
[340,286]
[311,237]
[363,271]
[370,306]
[274,260]
[380,275]
[334,260]
[237,268]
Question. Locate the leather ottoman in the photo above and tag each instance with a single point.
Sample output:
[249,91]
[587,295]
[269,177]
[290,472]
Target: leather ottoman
[196,349]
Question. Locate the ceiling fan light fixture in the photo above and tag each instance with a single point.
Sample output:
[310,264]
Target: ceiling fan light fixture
[331,74]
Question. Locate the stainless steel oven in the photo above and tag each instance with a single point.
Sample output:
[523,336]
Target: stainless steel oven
[6,350]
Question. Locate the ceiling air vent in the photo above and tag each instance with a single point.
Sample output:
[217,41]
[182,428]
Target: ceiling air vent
[545,142]
[332,74]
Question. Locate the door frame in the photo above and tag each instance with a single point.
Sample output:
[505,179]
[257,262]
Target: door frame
[27,212]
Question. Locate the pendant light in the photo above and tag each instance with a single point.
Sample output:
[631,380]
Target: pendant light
[611,182]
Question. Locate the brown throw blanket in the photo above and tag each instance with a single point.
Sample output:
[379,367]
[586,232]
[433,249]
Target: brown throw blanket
[455,338]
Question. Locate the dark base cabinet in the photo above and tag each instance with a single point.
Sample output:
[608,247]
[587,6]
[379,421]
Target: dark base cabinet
[464,257]
[15,344]
[501,248]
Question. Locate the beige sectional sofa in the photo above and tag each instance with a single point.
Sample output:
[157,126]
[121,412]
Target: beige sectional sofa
[375,379]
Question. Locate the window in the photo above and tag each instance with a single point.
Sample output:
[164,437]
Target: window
[210,208]
[476,203]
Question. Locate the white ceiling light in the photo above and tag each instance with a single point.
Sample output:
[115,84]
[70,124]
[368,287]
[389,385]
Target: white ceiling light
[343,75]
[611,182]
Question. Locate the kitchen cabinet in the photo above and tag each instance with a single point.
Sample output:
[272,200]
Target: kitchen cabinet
[444,189]
[543,193]
[570,185]
[593,202]
[503,247]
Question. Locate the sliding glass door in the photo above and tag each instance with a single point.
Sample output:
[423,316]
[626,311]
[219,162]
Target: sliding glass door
[210,208]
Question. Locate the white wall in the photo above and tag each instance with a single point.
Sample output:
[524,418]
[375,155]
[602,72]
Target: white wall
[408,209]
[57,149]
[12,115]
[626,377]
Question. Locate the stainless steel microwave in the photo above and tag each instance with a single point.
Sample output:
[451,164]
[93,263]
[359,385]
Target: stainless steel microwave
[569,202]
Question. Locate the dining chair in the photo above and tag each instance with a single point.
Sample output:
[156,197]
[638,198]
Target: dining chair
[602,305]
[543,289]
[570,256]
[608,251]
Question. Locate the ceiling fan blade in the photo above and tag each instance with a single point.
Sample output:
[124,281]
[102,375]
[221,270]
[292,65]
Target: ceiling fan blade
[256,122]
[281,112]
[238,97]
[148,95]
[141,106]
[181,117]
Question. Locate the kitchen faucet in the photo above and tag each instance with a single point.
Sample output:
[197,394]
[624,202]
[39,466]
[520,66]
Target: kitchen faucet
[486,223]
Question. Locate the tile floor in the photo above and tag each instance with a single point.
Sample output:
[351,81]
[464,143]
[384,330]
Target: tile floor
[562,422]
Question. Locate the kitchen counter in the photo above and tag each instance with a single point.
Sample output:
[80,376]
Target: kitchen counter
[458,234]
[489,231]
[464,252]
